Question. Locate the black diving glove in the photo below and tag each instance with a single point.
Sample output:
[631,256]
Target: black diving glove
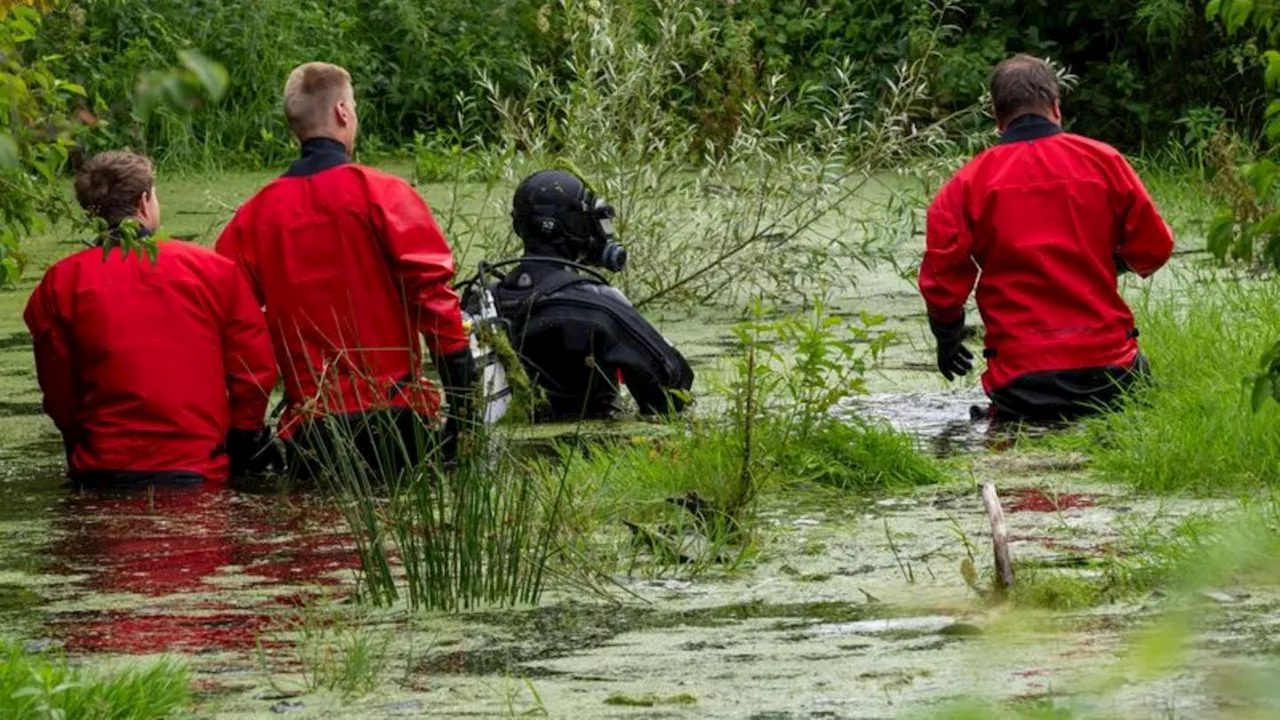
[253,452]
[459,374]
[954,359]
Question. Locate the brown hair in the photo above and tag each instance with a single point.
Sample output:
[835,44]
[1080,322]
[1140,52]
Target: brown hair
[110,184]
[1023,84]
[310,94]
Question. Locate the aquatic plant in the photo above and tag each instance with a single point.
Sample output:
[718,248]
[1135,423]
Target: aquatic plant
[43,685]
[689,496]
[334,648]
[445,536]
[797,371]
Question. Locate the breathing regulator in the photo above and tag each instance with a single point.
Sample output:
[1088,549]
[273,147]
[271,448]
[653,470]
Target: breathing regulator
[554,211]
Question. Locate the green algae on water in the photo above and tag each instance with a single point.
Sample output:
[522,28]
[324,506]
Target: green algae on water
[650,700]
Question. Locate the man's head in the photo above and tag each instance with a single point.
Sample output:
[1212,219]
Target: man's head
[554,213]
[319,101]
[118,186]
[1024,85]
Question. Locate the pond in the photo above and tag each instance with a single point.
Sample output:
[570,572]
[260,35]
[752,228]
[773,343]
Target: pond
[855,607]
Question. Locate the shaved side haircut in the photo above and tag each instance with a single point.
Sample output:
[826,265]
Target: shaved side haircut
[310,94]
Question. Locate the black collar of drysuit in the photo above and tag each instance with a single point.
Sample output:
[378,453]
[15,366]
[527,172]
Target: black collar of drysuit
[318,154]
[114,236]
[1025,128]
[537,270]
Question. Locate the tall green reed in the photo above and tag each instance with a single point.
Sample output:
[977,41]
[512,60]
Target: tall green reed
[442,534]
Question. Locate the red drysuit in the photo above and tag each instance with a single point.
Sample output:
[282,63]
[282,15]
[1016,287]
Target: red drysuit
[1043,223]
[351,266]
[145,368]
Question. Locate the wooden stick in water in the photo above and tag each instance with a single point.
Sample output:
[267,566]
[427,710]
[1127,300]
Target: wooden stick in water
[999,538]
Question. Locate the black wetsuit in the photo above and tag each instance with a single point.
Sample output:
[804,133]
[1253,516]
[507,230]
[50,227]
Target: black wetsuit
[578,337]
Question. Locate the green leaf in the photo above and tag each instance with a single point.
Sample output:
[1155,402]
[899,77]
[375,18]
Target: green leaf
[27,692]
[1219,235]
[10,156]
[211,75]
[1243,248]
[1270,358]
[1272,130]
[1272,75]
[1211,10]
[11,270]
[1273,108]
[1238,14]
[1262,387]
[1268,225]
[1262,177]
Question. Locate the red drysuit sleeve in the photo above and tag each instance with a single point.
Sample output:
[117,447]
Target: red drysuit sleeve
[948,272]
[422,261]
[1146,243]
[248,359]
[55,368]
[231,245]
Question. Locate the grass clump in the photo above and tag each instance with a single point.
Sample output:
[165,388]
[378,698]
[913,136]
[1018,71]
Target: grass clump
[1193,430]
[859,456]
[1058,590]
[45,686]
[1201,552]
[336,648]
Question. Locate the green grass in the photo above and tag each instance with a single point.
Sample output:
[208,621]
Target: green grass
[1192,430]
[45,686]
[866,458]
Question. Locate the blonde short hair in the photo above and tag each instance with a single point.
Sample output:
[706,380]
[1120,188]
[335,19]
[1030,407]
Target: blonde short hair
[310,94]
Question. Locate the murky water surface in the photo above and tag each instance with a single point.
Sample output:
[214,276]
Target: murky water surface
[855,608]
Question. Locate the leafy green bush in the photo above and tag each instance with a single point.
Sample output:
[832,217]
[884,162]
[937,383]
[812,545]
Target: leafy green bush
[35,143]
[47,117]
[45,686]
[1143,65]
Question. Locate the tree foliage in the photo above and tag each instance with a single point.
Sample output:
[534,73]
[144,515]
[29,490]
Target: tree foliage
[1143,66]
[35,142]
[48,117]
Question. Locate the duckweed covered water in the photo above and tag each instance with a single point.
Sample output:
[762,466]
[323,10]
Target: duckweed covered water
[855,607]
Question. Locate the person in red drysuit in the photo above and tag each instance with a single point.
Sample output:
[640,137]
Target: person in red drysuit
[1043,223]
[351,268]
[154,372]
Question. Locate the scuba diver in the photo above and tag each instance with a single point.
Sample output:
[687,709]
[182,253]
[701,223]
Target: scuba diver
[578,337]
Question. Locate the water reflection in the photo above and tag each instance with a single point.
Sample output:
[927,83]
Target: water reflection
[187,569]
